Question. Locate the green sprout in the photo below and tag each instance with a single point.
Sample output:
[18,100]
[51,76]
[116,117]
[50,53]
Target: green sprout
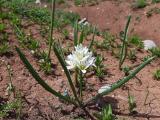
[157,74]
[136,41]
[99,66]
[132,55]
[140,4]
[45,63]
[131,102]
[106,114]
[4,49]
[155,51]
[2,27]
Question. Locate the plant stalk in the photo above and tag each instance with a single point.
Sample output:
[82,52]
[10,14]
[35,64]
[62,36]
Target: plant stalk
[51,28]
[123,53]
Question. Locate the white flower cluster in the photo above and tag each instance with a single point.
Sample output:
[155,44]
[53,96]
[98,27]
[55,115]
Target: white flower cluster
[81,58]
[149,44]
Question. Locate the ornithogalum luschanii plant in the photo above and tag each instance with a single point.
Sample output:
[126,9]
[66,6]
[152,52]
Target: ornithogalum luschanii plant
[78,101]
[79,61]
[75,99]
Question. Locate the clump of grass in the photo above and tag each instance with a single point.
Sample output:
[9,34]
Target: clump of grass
[140,4]
[42,15]
[157,74]
[136,41]
[84,2]
[79,2]
[8,107]
[132,55]
[2,27]
[99,69]
[106,114]
[155,51]
[45,62]
[4,49]
[153,11]
[107,43]
[155,1]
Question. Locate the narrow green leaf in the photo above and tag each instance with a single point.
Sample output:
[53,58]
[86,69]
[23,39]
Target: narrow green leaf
[51,27]
[76,33]
[91,43]
[81,36]
[123,52]
[39,79]
[126,29]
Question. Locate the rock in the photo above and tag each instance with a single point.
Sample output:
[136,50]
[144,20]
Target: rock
[149,44]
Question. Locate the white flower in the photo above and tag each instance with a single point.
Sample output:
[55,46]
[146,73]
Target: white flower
[41,61]
[104,88]
[38,2]
[81,58]
[148,44]
[32,51]
[45,6]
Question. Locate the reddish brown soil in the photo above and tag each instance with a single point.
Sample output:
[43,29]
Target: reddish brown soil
[111,15]
[41,105]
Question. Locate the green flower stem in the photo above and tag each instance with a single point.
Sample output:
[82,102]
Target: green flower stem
[121,82]
[63,64]
[81,83]
[40,80]
[76,77]
[51,29]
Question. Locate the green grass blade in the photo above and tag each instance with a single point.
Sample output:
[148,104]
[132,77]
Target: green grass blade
[76,33]
[126,29]
[39,79]
[91,43]
[81,36]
